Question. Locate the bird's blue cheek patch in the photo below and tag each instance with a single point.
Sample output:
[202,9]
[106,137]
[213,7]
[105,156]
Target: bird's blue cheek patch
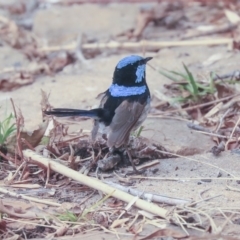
[140,73]
[122,91]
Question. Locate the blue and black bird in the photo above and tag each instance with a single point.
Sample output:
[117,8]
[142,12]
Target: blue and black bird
[123,107]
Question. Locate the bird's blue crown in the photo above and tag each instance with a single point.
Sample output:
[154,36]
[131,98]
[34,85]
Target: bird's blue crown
[128,60]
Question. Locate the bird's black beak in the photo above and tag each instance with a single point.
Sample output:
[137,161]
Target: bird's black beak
[147,59]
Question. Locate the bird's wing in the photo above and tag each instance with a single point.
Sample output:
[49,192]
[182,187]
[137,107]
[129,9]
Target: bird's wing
[126,116]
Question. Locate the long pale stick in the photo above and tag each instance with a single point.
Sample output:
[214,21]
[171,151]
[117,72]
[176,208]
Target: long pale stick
[94,183]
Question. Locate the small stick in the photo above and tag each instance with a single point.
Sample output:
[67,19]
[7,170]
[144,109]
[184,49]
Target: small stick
[232,188]
[235,74]
[14,109]
[141,44]
[16,172]
[203,104]
[192,159]
[149,196]
[219,29]
[221,119]
[212,134]
[226,145]
[13,194]
[197,127]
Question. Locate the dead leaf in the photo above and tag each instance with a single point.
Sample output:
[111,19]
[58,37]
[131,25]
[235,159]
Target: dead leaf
[13,211]
[119,222]
[3,226]
[232,16]
[61,230]
[57,61]
[16,80]
[165,233]
[33,138]
[212,59]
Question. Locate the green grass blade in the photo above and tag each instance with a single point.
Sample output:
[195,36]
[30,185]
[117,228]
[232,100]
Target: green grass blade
[191,81]
[139,131]
[189,88]
[6,128]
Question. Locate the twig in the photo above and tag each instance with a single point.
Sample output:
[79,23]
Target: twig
[79,53]
[197,127]
[31,223]
[228,220]
[16,172]
[230,138]
[6,157]
[218,29]
[213,134]
[191,159]
[94,183]
[204,104]
[13,194]
[221,119]
[149,196]
[141,44]
[183,179]
[232,188]
[14,109]
[232,75]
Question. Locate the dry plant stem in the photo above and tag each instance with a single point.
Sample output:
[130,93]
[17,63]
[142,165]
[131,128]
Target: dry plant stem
[31,223]
[213,134]
[18,139]
[14,109]
[94,183]
[131,161]
[228,220]
[232,188]
[18,129]
[231,75]
[48,175]
[191,159]
[27,143]
[180,179]
[221,119]
[230,138]
[203,130]
[15,174]
[149,196]
[197,127]
[204,104]
[218,29]
[13,194]
[141,44]
[6,157]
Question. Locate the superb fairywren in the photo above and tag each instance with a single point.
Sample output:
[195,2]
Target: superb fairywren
[123,107]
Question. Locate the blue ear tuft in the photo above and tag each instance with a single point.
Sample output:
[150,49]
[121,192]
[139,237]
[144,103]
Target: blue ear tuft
[128,60]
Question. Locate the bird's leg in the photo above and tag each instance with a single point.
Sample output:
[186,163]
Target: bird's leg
[132,163]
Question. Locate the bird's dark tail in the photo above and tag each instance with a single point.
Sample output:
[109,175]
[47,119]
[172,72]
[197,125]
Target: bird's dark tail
[67,112]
